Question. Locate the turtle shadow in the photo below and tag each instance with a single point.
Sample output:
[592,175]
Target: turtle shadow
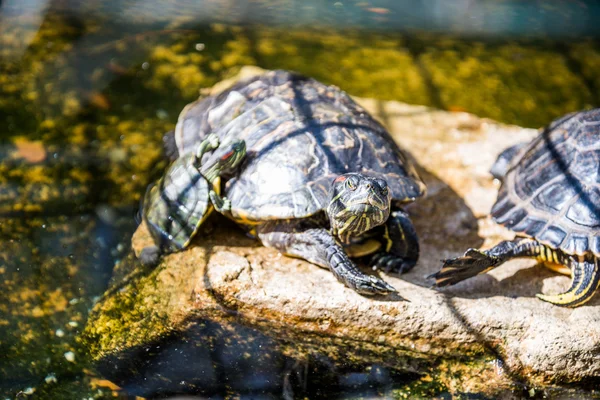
[525,281]
[445,224]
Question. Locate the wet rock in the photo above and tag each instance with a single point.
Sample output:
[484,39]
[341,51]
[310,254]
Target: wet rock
[494,320]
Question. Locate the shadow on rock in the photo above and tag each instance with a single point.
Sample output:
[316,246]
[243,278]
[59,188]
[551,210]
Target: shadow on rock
[445,225]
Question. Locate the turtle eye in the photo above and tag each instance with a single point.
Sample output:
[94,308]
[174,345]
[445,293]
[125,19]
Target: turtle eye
[350,185]
[385,191]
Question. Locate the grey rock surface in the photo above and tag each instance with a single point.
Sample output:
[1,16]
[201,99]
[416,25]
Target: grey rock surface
[495,314]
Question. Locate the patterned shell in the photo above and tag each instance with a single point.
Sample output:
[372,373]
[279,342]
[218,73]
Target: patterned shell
[552,189]
[177,204]
[300,134]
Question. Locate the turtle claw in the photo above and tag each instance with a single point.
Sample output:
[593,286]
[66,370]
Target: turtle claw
[454,270]
[371,285]
[221,204]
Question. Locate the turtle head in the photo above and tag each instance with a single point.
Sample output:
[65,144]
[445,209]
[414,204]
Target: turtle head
[224,160]
[357,203]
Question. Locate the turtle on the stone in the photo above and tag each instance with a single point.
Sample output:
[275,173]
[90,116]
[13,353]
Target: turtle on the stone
[550,196]
[176,206]
[321,180]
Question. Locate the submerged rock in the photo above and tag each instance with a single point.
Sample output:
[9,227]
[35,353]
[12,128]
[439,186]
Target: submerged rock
[494,320]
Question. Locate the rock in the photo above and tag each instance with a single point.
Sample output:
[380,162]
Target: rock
[225,276]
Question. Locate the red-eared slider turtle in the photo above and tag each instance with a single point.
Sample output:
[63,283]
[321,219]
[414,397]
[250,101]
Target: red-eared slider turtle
[176,206]
[550,196]
[321,177]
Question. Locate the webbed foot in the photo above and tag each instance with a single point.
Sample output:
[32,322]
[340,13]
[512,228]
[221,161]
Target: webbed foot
[473,262]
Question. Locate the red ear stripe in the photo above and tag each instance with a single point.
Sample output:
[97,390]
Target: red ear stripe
[226,155]
[340,179]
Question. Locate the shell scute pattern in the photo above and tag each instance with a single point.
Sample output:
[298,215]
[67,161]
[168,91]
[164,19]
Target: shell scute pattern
[300,134]
[552,191]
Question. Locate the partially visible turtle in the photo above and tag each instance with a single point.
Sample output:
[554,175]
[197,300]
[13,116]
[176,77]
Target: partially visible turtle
[550,196]
[321,176]
[176,206]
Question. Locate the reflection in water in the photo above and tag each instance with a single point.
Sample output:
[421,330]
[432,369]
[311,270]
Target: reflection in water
[219,359]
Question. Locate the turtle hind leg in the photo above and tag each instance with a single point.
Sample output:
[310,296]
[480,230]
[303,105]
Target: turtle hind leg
[319,247]
[585,280]
[475,262]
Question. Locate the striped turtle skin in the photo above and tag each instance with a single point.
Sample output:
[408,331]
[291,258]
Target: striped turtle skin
[550,196]
[306,140]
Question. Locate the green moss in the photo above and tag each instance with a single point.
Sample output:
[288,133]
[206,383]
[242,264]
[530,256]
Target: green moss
[458,377]
[130,315]
[366,65]
[518,83]
[586,57]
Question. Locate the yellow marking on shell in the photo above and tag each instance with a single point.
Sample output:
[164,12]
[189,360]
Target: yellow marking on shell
[363,249]
[242,217]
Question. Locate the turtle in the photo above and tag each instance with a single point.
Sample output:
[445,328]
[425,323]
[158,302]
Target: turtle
[176,206]
[322,180]
[549,196]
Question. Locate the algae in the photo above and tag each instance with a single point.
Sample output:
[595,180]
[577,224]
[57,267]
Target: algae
[83,112]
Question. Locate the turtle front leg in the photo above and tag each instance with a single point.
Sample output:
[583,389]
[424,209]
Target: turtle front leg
[400,250]
[319,247]
[475,261]
[209,144]
[584,271]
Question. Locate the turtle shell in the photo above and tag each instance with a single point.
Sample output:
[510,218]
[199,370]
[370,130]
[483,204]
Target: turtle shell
[552,188]
[175,207]
[300,134]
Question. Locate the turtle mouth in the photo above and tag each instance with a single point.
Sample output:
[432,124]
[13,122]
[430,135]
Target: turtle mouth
[379,200]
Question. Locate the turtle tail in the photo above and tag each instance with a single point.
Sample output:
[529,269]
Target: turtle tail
[585,279]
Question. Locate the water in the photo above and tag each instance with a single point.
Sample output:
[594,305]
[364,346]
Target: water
[87,91]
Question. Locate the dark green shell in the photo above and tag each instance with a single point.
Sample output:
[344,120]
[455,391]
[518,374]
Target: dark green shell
[300,134]
[552,188]
[176,206]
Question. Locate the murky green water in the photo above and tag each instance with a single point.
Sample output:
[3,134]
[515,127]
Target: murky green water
[87,91]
